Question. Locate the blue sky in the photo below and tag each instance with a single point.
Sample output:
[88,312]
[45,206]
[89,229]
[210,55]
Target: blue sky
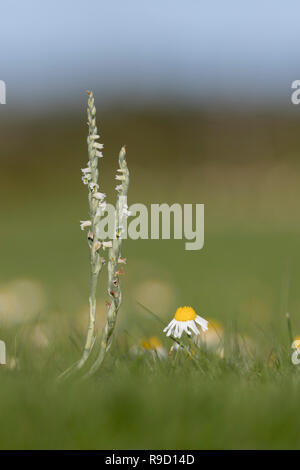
[206,51]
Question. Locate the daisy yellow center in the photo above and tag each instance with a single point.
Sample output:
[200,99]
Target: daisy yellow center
[185,314]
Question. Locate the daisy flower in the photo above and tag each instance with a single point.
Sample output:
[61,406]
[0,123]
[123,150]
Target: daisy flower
[94,187]
[185,319]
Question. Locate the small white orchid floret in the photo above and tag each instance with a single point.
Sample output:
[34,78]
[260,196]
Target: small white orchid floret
[94,136]
[96,145]
[107,244]
[85,223]
[119,231]
[99,196]
[187,320]
[86,170]
[125,210]
[94,187]
[86,178]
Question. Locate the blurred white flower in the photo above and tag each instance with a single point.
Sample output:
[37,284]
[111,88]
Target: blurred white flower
[39,337]
[157,294]
[151,346]
[212,339]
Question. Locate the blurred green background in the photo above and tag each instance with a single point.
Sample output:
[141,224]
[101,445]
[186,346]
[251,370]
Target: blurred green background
[245,169]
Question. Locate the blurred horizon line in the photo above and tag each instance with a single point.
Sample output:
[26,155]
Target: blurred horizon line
[131,102]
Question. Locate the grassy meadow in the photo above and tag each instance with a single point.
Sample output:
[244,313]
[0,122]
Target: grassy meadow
[238,389]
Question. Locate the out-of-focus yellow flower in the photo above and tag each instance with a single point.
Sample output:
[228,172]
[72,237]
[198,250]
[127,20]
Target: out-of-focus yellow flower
[20,301]
[151,343]
[187,320]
